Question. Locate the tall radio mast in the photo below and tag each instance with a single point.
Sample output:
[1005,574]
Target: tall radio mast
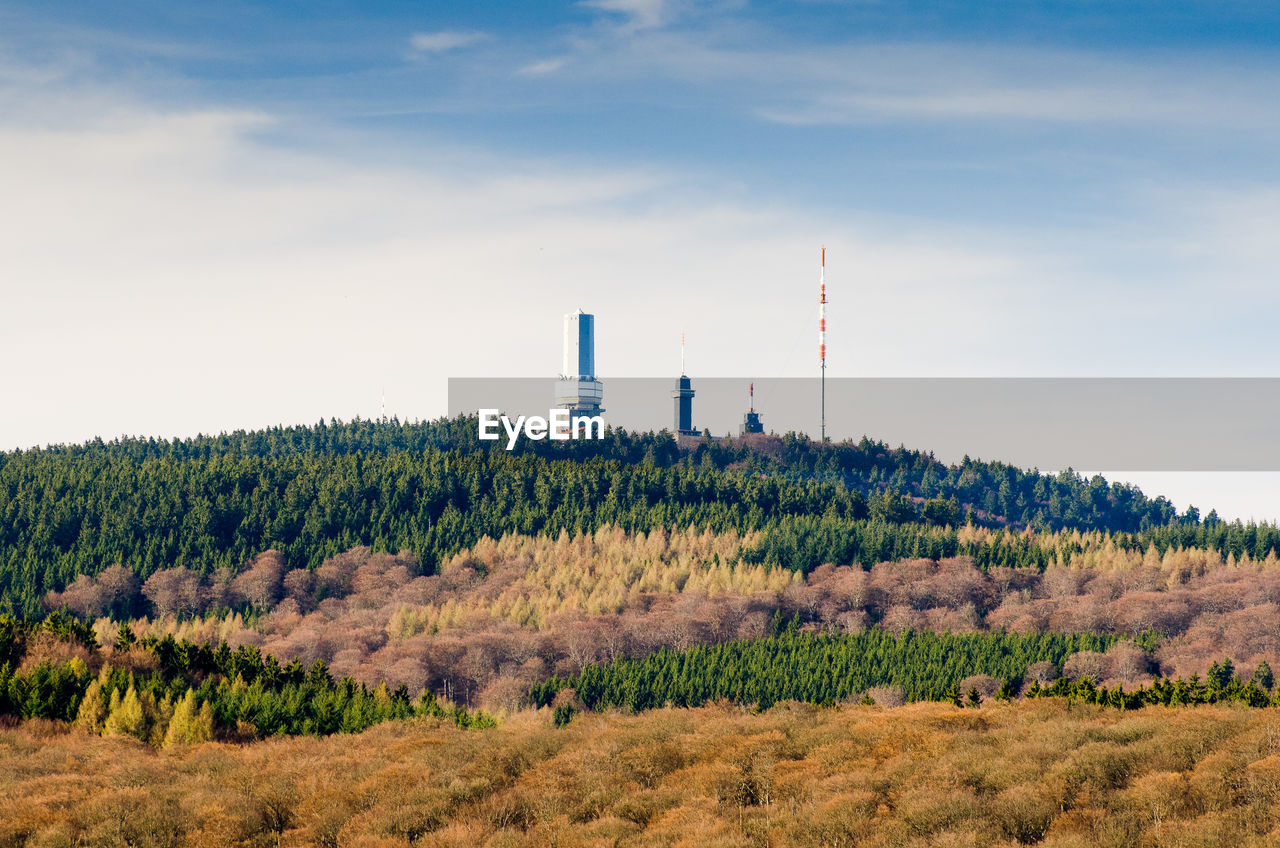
[822,334]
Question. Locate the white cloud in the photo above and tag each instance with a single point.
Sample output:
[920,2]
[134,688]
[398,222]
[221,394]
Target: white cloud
[640,14]
[437,42]
[936,99]
[850,84]
[543,67]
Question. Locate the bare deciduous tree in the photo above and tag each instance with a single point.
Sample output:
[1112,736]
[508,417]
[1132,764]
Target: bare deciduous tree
[259,585]
[175,591]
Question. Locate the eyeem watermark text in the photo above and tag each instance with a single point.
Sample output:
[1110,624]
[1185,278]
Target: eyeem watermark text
[560,425]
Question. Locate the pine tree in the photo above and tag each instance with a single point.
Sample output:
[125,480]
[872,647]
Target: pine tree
[124,637]
[1221,674]
[1263,677]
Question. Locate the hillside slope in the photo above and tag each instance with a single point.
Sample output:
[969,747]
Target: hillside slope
[1039,772]
[433,489]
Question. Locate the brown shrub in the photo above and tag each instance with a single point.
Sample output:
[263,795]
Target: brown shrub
[887,696]
[1090,664]
[924,774]
[1023,813]
[1044,672]
[986,685]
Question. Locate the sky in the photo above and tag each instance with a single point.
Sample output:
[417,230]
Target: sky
[231,215]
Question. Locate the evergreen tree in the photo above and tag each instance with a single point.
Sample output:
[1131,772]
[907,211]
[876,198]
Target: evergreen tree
[124,637]
[1263,677]
[1221,675]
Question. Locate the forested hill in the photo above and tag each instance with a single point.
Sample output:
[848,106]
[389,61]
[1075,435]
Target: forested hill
[1001,493]
[433,489]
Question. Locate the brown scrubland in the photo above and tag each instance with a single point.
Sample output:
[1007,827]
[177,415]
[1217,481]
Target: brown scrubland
[1004,774]
[510,612]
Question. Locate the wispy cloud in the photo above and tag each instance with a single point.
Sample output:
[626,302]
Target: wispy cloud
[545,66]
[953,83]
[849,84]
[438,42]
[639,14]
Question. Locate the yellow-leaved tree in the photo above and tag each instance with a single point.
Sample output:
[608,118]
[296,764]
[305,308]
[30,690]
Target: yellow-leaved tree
[189,726]
[132,715]
[93,709]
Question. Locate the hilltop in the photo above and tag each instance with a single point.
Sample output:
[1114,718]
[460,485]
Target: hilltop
[432,489]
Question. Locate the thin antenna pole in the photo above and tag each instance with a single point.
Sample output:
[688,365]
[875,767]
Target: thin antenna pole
[822,334]
[751,394]
[682,353]
[384,404]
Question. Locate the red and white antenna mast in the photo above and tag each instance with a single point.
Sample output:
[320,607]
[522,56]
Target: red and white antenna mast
[822,334]
[751,395]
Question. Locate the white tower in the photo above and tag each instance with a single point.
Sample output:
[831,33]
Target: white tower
[578,390]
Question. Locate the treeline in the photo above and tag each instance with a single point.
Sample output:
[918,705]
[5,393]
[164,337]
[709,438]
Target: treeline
[166,692]
[803,542]
[214,502]
[1222,686]
[823,669]
[995,490]
[820,669]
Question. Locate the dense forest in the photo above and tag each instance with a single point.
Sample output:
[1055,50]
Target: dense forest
[819,669]
[1000,491]
[825,669]
[432,489]
[169,692]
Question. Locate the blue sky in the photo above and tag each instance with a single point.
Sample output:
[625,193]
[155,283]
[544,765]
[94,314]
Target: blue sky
[237,214]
